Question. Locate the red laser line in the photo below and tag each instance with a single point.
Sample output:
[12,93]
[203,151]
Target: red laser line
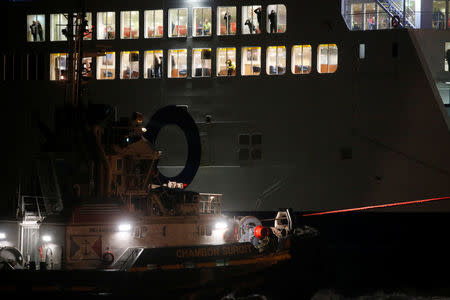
[375,206]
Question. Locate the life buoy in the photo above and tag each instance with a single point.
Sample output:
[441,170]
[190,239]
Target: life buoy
[108,257]
[175,115]
[261,232]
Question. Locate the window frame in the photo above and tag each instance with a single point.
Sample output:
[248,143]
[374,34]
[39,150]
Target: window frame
[29,34]
[194,29]
[277,54]
[130,61]
[169,63]
[153,11]
[52,66]
[218,68]
[277,15]
[146,67]
[170,32]
[130,23]
[112,24]
[244,51]
[52,27]
[254,17]
[106,68]
[219,20]
[193,70]
[319,55]
[293,53]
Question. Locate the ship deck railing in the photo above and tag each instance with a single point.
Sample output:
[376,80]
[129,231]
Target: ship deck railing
[210,203]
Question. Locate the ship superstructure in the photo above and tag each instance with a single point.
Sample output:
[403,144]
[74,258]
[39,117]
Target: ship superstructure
[342,104]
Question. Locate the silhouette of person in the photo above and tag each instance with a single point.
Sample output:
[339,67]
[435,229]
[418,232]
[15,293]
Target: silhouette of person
[40,31]
[273,21]
[227,18]
[447,54]
[33,29]
[230,67]
[258,17]
[157,66]
[250,25]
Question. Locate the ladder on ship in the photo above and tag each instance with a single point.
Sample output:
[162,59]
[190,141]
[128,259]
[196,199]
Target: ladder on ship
[393,9]
[127,259]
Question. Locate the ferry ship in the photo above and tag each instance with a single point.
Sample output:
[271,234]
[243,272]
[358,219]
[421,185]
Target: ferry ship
[314,105]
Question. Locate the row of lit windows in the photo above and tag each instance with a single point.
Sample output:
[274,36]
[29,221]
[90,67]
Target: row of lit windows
[177,64]
[251,21]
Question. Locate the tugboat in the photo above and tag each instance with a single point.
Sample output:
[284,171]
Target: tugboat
[141,220]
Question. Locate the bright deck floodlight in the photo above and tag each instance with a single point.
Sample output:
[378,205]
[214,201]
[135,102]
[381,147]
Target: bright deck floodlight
[2,236]
[221,225]
[46,238]
[124,227]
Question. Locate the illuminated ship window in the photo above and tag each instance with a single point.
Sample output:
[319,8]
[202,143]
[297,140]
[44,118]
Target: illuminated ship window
[276,18]
[276,60]
[106,66]
[129,24]
[86,67]
[226,20]
[327,58]
[201,21]
[251,61]
[106,25]
[178,19]
[301,59]
[129,64]
[58,66]
[251,19]
[201,62]
[447,57]
[88,33]
[226,61]
[36,28]
[153,62]
[58,22]
[439,14]
[153,24]
[177,63]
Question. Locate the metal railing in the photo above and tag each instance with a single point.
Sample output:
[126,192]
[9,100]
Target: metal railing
[381,19]
[210,203]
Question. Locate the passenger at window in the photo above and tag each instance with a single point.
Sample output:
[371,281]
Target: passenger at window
[33,29]
[230,67]
[206,27]
[447,53]
[227,19]
[273,21]
[250,25]
[259,18]
[40,31]
[157,66]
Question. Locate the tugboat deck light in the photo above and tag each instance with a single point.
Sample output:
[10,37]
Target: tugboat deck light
[124,227]
[46,238]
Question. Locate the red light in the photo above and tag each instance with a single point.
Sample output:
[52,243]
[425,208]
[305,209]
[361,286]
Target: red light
[184,184]
[375,206]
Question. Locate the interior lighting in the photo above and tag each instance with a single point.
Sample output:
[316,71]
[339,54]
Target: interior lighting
[144,129]
[2,236]
[46,238]
[124,227]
